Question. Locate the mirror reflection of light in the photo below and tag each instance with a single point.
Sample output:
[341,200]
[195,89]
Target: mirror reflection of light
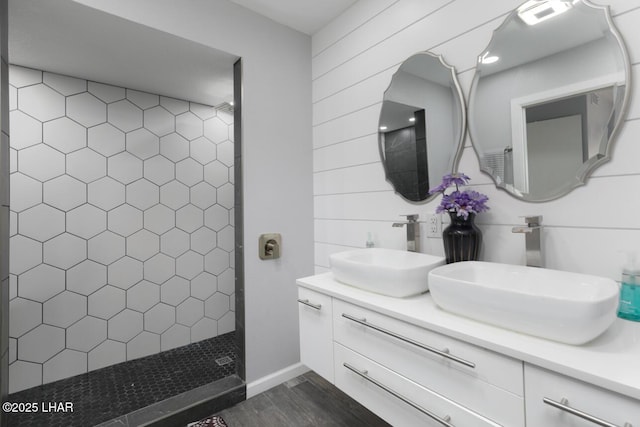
[383,128]
[535,11]
[488,59]
[412,119]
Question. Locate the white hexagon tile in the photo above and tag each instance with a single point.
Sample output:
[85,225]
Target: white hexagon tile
[121,225]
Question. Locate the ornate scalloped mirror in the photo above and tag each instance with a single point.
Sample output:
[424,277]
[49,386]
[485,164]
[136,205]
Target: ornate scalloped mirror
[422,125]
[548,96]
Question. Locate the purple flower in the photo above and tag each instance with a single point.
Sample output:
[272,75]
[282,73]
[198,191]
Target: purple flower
[456,178]
[450,180]
[462,203]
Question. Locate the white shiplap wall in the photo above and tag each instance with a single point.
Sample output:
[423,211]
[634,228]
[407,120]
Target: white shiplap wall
[354,58]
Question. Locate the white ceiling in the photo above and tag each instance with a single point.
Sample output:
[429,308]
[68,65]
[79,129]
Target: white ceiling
[71,38]
[306,16]
[65,37]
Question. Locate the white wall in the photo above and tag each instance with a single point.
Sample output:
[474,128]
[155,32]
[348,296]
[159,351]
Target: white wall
[353,60]
[276,157]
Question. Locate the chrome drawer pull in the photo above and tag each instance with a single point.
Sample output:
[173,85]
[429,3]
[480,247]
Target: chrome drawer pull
[310,304]
[564,406]
[364,374]
[444,353]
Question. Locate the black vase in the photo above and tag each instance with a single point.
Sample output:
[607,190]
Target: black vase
[462,239]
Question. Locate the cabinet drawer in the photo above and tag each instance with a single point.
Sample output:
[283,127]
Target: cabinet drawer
[593,401]
[397,400]
[492,385]
[316,332]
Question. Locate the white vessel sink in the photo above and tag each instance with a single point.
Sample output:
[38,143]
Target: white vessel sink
[385,271]
[567,307]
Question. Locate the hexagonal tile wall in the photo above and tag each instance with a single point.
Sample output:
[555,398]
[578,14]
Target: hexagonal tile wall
[144,344]
[204,285]
[172,146]
[159,318]
[106,139]
[65,364]
[143,296]
[41,162]
[40,344]
[26,192]
[86,165]
[144,100]
[143,194]
[32,133]
[86,277]
[106,93]
[109,352]
[64,309]
[64,135]
[174,290]
[64,192]
[125,116]
[159,121]
[106,193]
[125,325]
[125,167]
[125,272]
[41,102]
[41,222]
[86,109]
[159,170]
[64,251]
[125,220]
[175,336]
[142,245]
[216,173]
[64,84]
[86,221]
[24,315]
[86,334]
[106,302]
[159,219]
[121,229]
[143,144]
[25,254]
[174,242]
[41,283]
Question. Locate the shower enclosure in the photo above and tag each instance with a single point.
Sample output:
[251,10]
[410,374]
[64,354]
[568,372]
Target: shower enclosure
[122,285]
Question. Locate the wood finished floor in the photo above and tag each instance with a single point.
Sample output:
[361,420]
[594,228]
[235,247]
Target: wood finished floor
[307,400]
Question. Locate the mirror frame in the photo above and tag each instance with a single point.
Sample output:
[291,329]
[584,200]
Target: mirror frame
[587,168]
[457,91]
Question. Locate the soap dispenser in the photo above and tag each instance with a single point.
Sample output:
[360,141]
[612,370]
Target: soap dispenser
[629,307]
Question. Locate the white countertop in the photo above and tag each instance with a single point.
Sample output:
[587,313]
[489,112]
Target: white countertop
[611,361]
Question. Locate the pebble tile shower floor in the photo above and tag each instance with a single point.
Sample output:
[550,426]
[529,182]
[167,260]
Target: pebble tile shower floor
[107,393]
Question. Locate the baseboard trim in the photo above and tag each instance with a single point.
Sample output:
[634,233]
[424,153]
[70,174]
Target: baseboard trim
[272,380]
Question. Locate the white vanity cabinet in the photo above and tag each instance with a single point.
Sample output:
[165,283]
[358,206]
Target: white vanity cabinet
[483,381]
[316,332]
[560,401]
[406,374]
[414,364]
[397,399]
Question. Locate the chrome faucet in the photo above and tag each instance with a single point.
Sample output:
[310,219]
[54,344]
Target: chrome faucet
[413,232]
[532,233]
